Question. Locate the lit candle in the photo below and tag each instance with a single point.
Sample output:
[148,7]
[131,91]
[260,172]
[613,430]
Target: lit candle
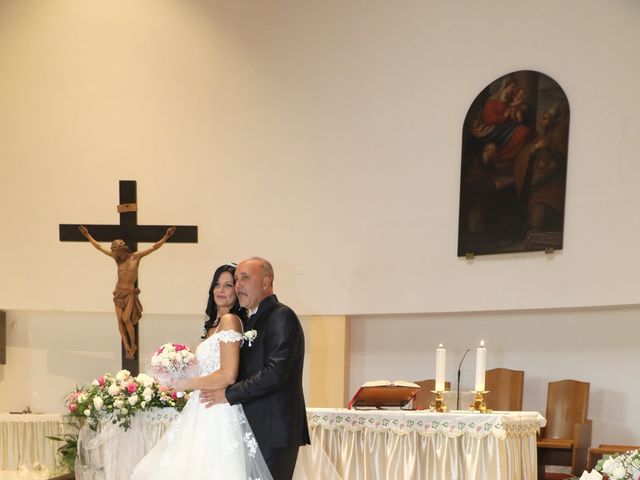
[481,366]
[440,358]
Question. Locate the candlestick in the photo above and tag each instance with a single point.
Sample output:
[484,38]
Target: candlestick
[440,361]
[481,366]
[438,404]
[478,404]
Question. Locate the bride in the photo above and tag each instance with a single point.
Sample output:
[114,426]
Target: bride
[216,442]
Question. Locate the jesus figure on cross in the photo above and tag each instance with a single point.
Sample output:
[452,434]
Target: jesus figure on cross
[125,295]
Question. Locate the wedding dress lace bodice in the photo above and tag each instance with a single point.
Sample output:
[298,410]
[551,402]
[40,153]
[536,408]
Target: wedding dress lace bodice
[208,352]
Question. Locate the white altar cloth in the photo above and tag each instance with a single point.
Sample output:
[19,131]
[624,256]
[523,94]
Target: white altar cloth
[24,443]
[423,445]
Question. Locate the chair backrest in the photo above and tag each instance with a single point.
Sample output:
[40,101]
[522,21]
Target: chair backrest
[424,397]
[505,388]
[567,404]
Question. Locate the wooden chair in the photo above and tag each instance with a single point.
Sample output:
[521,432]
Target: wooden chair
[505,389]
[424,397]
[567,437]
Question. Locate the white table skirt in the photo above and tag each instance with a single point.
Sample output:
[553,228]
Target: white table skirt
[24,443]
[422,445]
[356,445]
[111,453]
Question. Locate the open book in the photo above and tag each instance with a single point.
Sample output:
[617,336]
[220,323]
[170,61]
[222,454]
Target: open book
[383,393]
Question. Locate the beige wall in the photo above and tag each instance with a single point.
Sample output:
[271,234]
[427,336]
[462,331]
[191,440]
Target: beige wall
[323,135]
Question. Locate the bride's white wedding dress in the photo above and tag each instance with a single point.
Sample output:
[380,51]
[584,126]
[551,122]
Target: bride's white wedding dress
[206,443]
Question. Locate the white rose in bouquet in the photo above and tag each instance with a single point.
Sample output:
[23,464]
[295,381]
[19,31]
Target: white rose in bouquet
[593,475]
[619,472]
[98,403]
[609,464]
[145,380]
[122,375]
[147,394]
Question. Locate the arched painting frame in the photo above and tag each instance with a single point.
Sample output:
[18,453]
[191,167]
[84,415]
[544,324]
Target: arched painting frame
[514,166]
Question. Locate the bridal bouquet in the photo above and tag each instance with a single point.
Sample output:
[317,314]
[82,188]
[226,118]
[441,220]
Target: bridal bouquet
[173,361]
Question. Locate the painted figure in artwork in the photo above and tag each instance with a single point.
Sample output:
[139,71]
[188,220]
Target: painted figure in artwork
[125,295]
[540,171]
[502,120]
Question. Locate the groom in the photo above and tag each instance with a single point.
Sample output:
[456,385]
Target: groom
[269,384]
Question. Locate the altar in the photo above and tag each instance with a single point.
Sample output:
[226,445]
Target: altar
[24,443]
[356,445]
[423,445]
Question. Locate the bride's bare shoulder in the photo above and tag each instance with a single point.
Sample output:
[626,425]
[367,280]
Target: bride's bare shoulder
[229,321]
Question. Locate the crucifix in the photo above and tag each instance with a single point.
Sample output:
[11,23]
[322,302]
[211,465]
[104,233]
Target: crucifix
[124,250]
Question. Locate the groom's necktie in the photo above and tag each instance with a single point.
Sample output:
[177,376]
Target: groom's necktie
[251,317]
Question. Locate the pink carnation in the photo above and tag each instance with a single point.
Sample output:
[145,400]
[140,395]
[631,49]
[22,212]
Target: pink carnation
[73,407]
[179,347]
[163,388]
[101,381]
[174,396]
[131,387]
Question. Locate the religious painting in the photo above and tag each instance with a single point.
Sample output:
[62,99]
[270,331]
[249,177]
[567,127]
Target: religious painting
[514,166]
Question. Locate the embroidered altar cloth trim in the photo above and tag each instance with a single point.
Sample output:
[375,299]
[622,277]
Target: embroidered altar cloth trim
[427,423]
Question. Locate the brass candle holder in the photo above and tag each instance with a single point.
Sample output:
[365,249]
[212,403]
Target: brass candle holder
[478,404]
[438,404]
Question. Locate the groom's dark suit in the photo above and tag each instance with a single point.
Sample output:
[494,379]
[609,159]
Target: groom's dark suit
[269,384]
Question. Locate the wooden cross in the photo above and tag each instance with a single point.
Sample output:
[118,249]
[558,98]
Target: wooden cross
[132,233]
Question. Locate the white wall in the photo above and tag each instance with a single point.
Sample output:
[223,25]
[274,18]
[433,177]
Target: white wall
[49,353]
[323,135]
[599,346]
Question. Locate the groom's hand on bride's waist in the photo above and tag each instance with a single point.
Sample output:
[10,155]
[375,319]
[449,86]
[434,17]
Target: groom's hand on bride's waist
[212,397]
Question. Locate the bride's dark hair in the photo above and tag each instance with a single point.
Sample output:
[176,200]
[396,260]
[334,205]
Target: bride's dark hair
[212,308]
